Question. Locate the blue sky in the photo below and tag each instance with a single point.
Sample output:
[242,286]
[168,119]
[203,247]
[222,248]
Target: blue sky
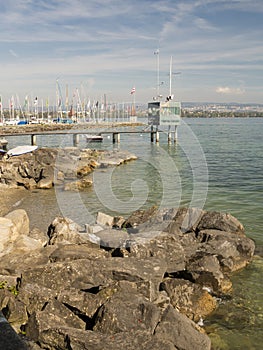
[107,47]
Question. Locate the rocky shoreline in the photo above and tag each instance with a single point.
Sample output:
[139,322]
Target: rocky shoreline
[143,282]
[69,167]
[146,282]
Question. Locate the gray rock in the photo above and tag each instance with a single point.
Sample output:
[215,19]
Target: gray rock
[64,230]
[188,219]
[86,274]
[35,296]
[20,220]
[181,331]
[9,339]
[71,252]
[111,238]
[234,251]
[158,244]
[11,262]
[189,298]
[38,235]
[140,216]
[137,312]
[220,221]
[104,219]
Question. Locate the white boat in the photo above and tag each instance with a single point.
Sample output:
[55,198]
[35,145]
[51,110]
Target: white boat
[94,138]
[17,151]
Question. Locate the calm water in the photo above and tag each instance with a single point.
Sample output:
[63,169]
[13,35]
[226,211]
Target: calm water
[217,164]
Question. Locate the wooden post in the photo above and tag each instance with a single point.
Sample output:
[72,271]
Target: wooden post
[75,140]
[116,137]
[33,140]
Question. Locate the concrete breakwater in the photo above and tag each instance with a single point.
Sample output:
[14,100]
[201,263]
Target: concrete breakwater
[145,282]
[20,129]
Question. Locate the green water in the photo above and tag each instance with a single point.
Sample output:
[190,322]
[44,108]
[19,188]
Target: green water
[217,164]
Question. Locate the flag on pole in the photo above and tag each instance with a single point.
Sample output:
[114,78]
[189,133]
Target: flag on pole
[35,101]
[133,90]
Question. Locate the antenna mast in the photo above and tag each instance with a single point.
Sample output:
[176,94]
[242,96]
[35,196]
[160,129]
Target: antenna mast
[171,62]
[156,52]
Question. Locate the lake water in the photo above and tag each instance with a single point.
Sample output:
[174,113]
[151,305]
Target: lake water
[217,164]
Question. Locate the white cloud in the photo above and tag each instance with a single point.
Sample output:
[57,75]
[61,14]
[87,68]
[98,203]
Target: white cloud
[230,90]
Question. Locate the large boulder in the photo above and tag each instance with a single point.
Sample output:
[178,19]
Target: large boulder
[90,274]
[7,233]
[157,244]
[214,220]
[189,298]
[137,312]
[181,331]
[14,227]
[64,230]
[41,322]
[71,252]
[110,238]
[20,220]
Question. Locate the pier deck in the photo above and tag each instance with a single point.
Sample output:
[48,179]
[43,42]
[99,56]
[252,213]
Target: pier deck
[75,133]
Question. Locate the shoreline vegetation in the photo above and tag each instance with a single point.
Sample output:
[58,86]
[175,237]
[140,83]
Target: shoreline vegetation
[219,114]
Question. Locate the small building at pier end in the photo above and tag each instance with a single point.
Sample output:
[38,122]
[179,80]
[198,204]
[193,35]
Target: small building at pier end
[164,114]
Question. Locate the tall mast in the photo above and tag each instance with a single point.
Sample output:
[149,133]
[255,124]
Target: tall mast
[66,100]
[170,76]
[171,63]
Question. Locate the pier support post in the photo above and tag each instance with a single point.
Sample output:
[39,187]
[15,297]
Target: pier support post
[116,137]
[3,144]
[75,140]
[33,140]
[169,134]
[175,133]
[157,135]
[152,134]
